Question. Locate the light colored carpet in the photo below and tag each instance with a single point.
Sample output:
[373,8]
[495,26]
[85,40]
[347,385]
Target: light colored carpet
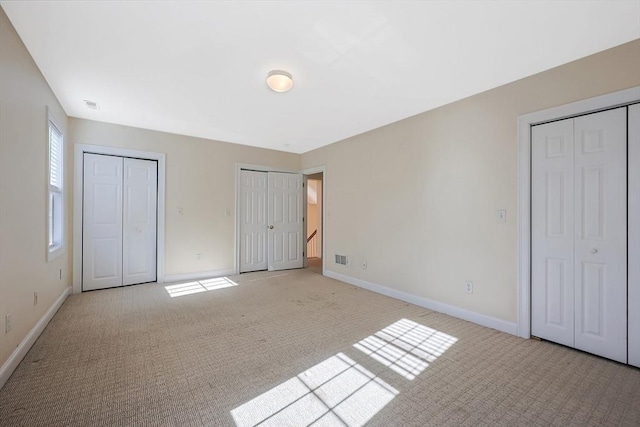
[294,348]
[315,265]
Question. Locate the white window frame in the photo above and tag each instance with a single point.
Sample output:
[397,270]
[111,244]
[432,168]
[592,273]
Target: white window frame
[55,239]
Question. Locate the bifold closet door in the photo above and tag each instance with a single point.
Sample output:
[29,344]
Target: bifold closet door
[579,233]
[271,221]
[119,224]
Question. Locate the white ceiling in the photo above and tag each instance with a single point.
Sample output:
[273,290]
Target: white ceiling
[199,68]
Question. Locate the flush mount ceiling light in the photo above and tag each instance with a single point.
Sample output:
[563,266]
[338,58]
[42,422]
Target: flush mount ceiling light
[279,81]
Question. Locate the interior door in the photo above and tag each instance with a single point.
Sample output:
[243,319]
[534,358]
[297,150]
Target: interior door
[102,222]
[139,221]
[552,234]
[253,221]
[286,234]
[601,233]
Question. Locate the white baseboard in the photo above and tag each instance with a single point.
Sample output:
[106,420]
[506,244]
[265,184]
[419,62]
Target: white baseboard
[461,313]
[21,351]
[183,277]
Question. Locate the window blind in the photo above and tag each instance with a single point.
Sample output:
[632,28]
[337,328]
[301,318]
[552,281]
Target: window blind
[55,157]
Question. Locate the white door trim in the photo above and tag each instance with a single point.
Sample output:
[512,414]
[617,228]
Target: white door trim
[525,122]
[79,151]
[311,171]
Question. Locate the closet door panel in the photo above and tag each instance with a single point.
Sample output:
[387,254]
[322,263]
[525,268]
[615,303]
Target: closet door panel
[552,275]
[253,221]
[139,221]
[601,234]
[102,222]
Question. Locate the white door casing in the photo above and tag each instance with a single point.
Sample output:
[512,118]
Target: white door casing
[601,233]
[634,235]
[253,221]
[285,218]
[102,222]
[139,221]
[552,249]
[578,226]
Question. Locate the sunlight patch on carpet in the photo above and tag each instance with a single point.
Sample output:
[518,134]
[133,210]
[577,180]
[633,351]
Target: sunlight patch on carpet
[406,347]
[199,286]
[337,391]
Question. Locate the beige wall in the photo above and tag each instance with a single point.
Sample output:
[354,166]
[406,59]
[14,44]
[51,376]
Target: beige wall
[431,186]
[200,179]
[24,96]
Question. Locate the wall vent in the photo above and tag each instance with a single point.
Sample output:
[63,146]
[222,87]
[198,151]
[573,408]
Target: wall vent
[341,259]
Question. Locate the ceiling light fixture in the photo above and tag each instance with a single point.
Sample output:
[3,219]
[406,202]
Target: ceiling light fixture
[279,81]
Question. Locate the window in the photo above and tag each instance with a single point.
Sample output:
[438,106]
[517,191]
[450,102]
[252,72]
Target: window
[56,192]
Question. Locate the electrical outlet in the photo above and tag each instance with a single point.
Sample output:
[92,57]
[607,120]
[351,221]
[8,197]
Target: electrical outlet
[364,265]
[198,257]
[227,212]
[35,297]
[469,287]
[502,215]
[7,323]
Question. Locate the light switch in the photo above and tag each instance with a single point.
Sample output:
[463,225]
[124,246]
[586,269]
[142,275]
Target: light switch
[502,215]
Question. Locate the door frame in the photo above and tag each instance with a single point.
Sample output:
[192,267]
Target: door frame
[79,151]
[603,102]
[311,171]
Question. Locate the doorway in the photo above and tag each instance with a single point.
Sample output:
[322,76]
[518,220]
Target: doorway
[314,193]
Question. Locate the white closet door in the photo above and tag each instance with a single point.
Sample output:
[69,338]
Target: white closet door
[102,222]
[634,235]
[139,221]
[601,233]
[253,221]
[552,252]
[286,232]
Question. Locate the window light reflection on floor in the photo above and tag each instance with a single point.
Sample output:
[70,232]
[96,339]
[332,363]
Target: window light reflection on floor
[406,347]
[337,391]
[181,289]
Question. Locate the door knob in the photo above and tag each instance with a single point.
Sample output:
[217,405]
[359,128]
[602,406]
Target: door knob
[271,227]
[594,251]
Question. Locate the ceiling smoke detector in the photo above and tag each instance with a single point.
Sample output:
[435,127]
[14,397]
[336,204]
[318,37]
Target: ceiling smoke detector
[91,104]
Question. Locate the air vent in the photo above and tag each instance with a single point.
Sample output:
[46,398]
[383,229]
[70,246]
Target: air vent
[341,259]
[91,104]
